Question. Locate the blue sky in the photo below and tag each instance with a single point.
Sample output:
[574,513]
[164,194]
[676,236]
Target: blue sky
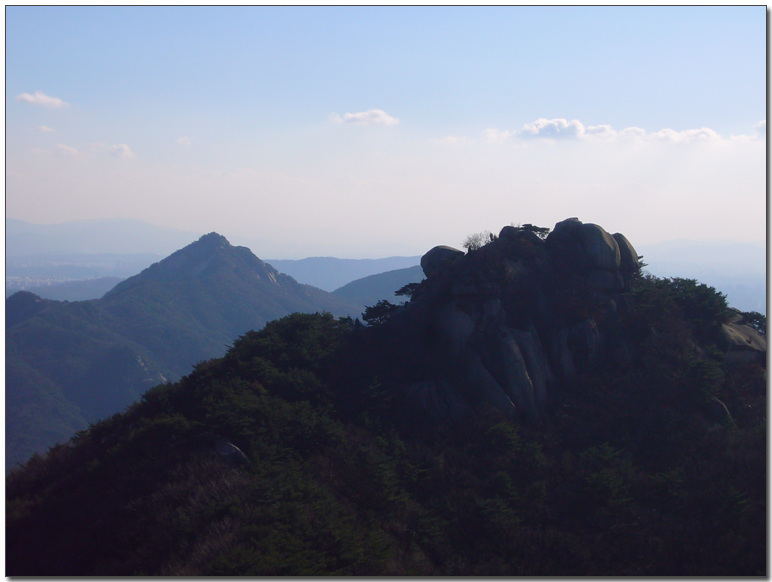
[360,131]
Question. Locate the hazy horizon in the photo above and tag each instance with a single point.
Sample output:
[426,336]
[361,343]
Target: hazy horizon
[365,132]
[254,242]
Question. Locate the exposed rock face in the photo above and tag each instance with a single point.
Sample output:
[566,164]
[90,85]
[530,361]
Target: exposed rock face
[628,258]
[510,324]
[504,323]
[438,258]
[588,249]
[743,343]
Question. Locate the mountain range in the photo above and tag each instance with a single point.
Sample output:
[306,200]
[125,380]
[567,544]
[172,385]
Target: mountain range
[70,363]
[110,340]
[368,291]
[75,290]
[539,406]
[42,258]
[330,273]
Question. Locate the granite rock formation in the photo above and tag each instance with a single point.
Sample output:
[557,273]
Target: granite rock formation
[507,325]
[741,341]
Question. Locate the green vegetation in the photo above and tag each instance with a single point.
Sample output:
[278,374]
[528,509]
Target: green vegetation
[756,320]
[702,305]
[379,313]
[632,473]
[406,290]
[540,231]
[370,290]
[478,240]
[70,363]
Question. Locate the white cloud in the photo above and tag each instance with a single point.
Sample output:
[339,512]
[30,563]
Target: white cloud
[497,135]
[369,117]
[701,134]
[45,129]
[600,131]
[625,185]
[688,135]
[553,129]
[759,133]
[184,140]
[40,98]
[633,133]
[120,150]
[65,150]
[665,134]
[563,129]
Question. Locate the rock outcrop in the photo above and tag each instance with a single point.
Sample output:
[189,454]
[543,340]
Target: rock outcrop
[501,326]
[512,324]
[742,342]
[438,258]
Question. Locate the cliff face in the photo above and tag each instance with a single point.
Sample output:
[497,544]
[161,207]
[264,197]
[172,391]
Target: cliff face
[507,324]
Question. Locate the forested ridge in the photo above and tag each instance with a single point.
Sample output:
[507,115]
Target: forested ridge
[71,363]
[299,452]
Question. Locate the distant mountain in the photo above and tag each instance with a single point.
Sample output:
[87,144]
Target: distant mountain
[369,290]
[690,257]
[81,290]
[118,235]
[39,257]
[72,363]
[61,267]
[330,273]
[39,254]
[739,270]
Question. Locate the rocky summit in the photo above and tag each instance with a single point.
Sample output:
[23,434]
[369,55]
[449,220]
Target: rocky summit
[507,324]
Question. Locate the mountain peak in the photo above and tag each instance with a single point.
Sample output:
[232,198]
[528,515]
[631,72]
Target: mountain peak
[213,240]
[210,254]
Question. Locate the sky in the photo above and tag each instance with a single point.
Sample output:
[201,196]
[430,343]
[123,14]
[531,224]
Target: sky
[379,131]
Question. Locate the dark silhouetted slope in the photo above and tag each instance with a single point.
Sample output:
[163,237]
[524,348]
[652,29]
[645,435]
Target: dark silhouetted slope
[331,273]
[370,290]
[77,290]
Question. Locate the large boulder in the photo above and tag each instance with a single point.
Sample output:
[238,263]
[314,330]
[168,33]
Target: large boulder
[538,367]
[600,247]
[438,258]
[575,348]
[583,247]
[499,323]
[628,257]
[507,325]
[564,244]
[608,281]
[514,233]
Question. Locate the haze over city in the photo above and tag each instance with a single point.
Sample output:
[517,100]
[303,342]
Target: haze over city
[377,131]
